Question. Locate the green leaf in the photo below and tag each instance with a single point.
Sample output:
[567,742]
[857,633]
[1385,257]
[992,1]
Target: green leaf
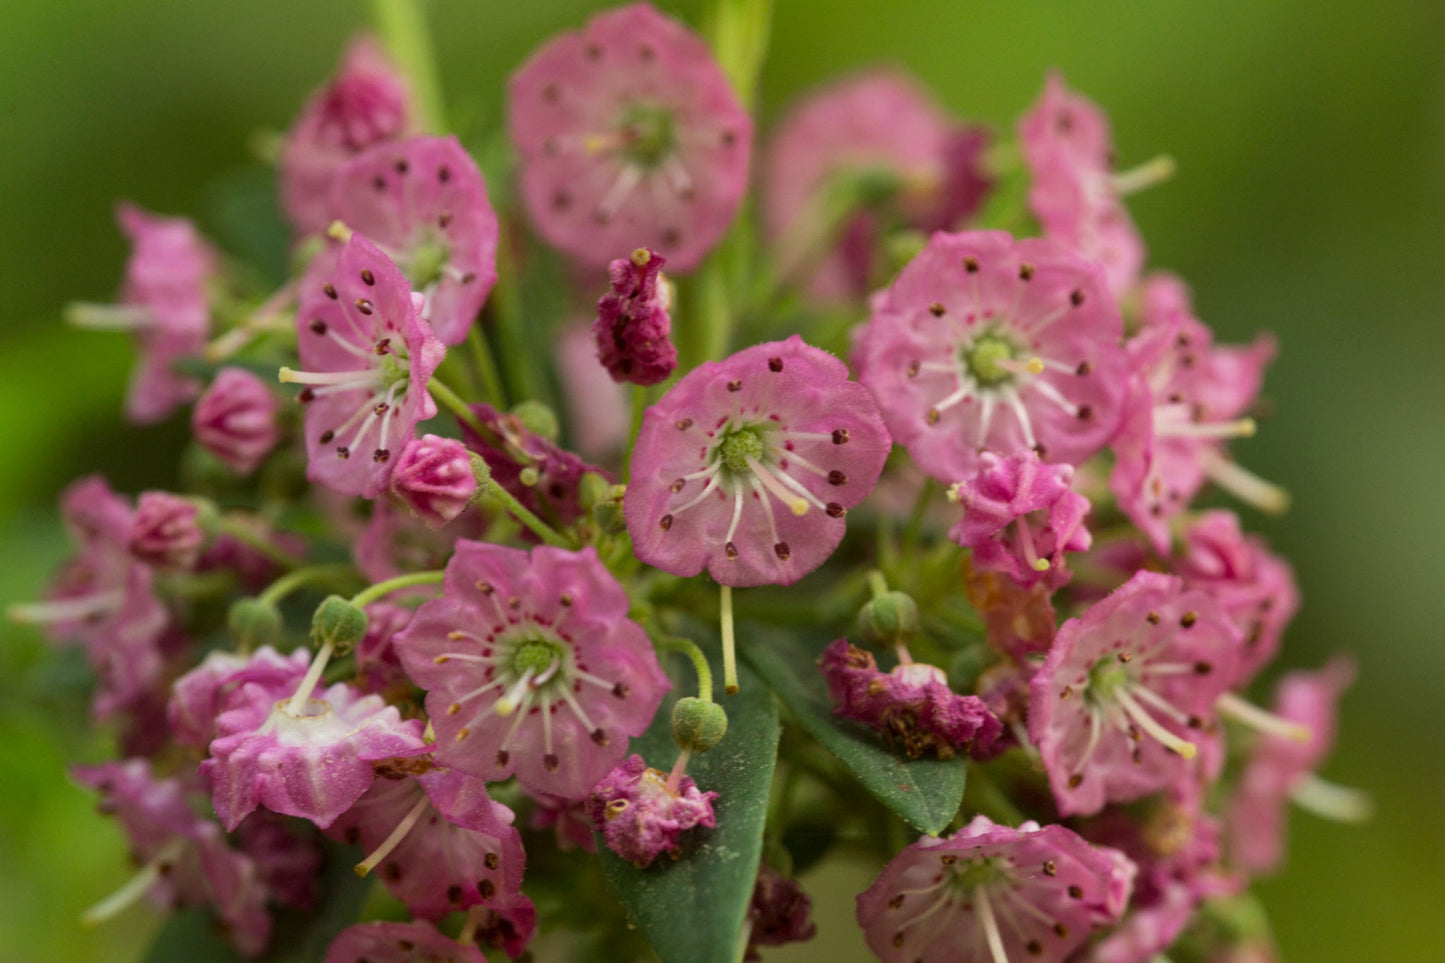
[298,937]
[925,792]
[691,909]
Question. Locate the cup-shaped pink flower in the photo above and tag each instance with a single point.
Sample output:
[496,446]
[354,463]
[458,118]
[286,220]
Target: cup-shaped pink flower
[991,892]
[433,477]
[748,466]
[165,532]
[1126,696]
[641,813]
[367,102]
[984,343]
[1020,516]
[629,134]
[633,327]
[423,201]
[235,420]
[203,693]
[367,356]
[532,667]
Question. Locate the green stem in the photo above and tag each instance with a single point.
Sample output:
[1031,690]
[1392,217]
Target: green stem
[877,584]
[291,581]
[487,369]
[249,538]
[521,513]
[454,403]
[689,648]
[729,643]
[914,528]
[373,592]
[402,27]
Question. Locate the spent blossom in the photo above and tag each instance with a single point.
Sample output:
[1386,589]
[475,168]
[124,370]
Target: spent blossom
[633,327]
[641,811]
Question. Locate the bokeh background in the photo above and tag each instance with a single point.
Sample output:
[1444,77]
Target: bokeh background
[1310,201]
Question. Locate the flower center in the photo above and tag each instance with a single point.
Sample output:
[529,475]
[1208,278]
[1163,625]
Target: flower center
[535,656]
[738,445]
[1106,678]
[648,134]
[969,875]
[427,261]
[987,360]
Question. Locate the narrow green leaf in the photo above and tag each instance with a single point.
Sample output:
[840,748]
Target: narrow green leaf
[925,792]
[691,909]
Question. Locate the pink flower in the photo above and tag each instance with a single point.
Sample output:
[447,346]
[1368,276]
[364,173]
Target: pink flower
[287,856]
[596,406]
[912,703]
[1127,694]
[367,356]
[568,820]
[532,667]
[878,141]
[367,102]
[423,201]
[1074,194]
[629,135]
[640,813]
[394,542]
[1018,622]
[203,693]
[1020,516]
[633,327]
[235,420]
[993,892]
[313,762]
[984,343]
[780,912]
[433,477]
[378,669]
[777,423]
[165,532]
[415,942]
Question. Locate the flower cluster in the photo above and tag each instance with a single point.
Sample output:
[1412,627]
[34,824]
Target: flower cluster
[496,617]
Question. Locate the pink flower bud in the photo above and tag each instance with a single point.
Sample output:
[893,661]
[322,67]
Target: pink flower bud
[165,532]
[434,478]
[235,420]
[633,329]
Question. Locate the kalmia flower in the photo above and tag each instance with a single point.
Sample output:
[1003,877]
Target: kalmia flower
[203,693]
[1020,516]
[235,420]
[876,143]
[994,892]
[433,477]
[633,327]
[540,474]
[310,758]
[395,542]
[985,343]
[532,667]
[775,423]
[912,704]
[166,531]
[416,942]
[1127,694]
[640,812]
[423,202]
[629,134]
[367,102]
[780,913]
[367,356]
[1018,622]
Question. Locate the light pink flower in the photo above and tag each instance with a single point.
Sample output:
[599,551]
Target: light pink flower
[747,466]
[532,667]
[596,406]
[640,814]
[235,420]
[423,201]
[433,477]
[629,134]
[633,327]
[367,102]
[994,892]
[984,343]
[203,693]
[367,356]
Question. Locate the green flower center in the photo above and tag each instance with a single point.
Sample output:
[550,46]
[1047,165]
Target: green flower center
[982,359]
[535,656]
[1106,678]
[971,874]
[738,445]
[393,370]
[649,134]
[427,260]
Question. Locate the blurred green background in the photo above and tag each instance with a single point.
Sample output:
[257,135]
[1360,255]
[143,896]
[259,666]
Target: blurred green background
[1310,201]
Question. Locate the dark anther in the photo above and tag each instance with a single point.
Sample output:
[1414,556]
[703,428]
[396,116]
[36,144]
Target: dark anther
[1026,271]
[840,436]
[775,364]
[665,522]
[330,291]
[735,385]
[970,264]
[1188,619]
[318,326]
[367,276]
[363,305]
[835,510]
[936,309]
[1076,297]
[836,477]
[782,551]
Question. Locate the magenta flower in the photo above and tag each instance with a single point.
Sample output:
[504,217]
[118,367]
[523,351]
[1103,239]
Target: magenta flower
[780,912]
[415,942]
[206,691]
[185,860]
[912,704]
[993,892]
[640,812]
[629,135]
[878,140]
[165,532]
[1075,194]
[287,856]
[433,477]
[532,667]
[235,420]
[1126,697]
[367,356]
[568,819]
[1020,516]
[554,493]
[312,761]
[440,843]
[423,201]
[1189,397]
[367,102]
[633,327]
[777,423]
[984,343]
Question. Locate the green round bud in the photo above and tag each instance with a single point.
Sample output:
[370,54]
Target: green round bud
[697,724]
[609,518]
[967,665]
[593,490]
[904,246]
[253,623]
[338,622]
[529,476]
[208,516]
[889,620]
[536,418]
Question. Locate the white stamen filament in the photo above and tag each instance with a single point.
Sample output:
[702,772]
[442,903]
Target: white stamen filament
[1149,724]
[591,679]
[801,489]
[546,699]
[512,732]
[1340,803]
[1238,428]
[677,175]
[479,690]
[135,887]
[708,489]
[787,434]
[1011,399]
[986,405]
[108,317]
[1032,366]
[1243,484]
[1151,172]
[1053,394]
[960,393]
[1258,719]
[627,179]
[1027,548]
[729,642]
[354,379]
[97,603]
[990,925]
[796,505]
[707,472]
[737,513]
[547,674]
[803,463]
[394,840]
[1154,699]
[367,353]
[308,682]
[1096,727]
[767,507]
[576,708]
[508,703]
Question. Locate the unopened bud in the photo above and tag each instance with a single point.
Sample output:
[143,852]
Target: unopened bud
[593,490]
[338,623]
[253,624]
[536,418]
[889,620]
[697,724]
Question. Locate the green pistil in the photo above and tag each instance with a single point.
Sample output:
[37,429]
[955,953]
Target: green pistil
[982,360]
[649,134]
[392,370]
[1107,677]
[738,445]
[535,656]
[428,259]
[969,875]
